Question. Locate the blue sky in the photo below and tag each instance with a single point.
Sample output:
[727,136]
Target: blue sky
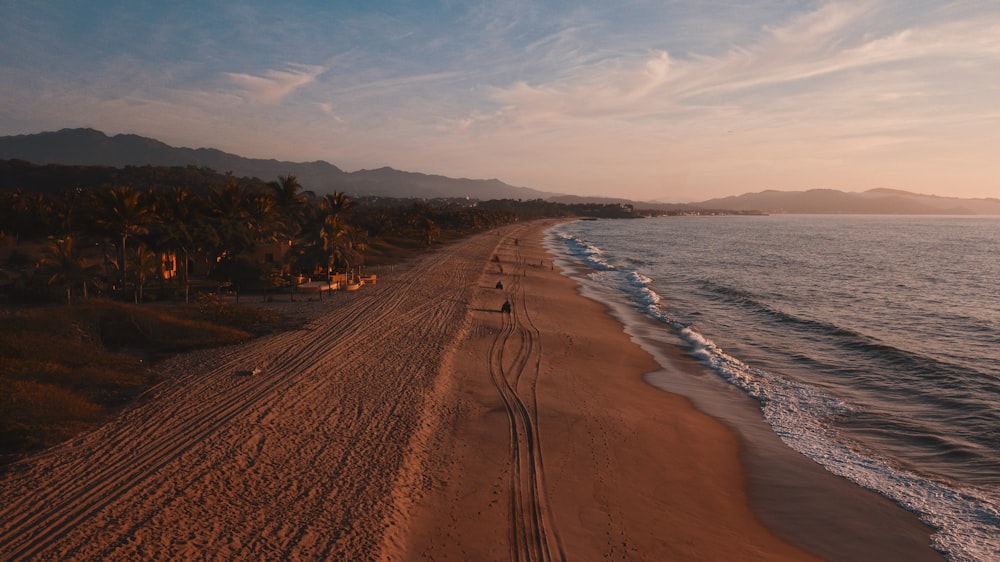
[666,100]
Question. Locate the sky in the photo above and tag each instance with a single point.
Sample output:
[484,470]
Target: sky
[667,100]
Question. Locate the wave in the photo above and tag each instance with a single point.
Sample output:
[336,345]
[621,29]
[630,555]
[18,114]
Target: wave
[589,254]
[911,364]
[967,520]
[938,389]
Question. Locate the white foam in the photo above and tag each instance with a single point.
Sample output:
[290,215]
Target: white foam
[967,522]
[589,254]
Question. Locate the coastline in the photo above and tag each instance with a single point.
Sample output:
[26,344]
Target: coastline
[630,471]
[794,496]
[414,420]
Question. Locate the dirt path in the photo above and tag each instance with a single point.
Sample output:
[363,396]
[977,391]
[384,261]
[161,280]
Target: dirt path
[313,458]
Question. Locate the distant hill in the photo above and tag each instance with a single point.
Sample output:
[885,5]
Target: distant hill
[873,201]
[87,147]
[57,178]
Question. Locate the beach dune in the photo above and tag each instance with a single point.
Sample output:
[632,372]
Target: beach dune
[410,421]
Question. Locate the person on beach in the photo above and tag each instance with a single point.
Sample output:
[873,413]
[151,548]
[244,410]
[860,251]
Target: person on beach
[500,284]
[505,307]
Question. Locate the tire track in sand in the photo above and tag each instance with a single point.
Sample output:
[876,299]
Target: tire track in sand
[297,462]
[515,354]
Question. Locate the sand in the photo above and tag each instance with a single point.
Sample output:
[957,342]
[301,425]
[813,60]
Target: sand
[413,420]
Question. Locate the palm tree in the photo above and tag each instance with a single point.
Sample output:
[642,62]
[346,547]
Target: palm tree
[289,199]
[337,203]
[24,214]
[230,218]
[267,220]
[183,220]
[328,237]
[336,235]
[64,265]
[66,209]
[121,213]
[143,264]
[335,240]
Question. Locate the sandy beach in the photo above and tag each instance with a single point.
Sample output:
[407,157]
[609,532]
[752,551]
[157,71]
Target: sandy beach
[413,420]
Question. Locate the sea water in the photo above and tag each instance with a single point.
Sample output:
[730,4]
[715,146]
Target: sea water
[872,343]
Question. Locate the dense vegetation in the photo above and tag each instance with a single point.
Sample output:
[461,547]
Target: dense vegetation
[187,226]
[98,265]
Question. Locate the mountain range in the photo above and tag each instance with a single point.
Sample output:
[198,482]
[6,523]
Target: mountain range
[878,201]
[88,147]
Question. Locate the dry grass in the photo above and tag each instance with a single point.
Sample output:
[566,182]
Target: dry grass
[65,370]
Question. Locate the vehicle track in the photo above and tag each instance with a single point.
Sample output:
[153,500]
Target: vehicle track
[286,456]
[515,354]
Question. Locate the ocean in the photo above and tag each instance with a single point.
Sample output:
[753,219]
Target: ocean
[871,343]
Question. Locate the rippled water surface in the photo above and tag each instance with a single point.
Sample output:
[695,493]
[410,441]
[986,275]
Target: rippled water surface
[872,343]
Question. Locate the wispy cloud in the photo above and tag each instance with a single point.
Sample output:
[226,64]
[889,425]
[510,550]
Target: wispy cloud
[809,49]
[829,41]
[615,92]
[272,86]
[396,83]
[327,108]
[558,96]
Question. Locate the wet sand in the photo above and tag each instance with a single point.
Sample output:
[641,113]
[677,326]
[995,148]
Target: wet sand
[413,420]
[566,451]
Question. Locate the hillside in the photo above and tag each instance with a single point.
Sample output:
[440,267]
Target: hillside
[87,147]
[90,148]
[874,201]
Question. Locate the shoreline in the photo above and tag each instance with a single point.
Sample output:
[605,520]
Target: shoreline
[609,467]
[794,496]
[634,470]
[414,420]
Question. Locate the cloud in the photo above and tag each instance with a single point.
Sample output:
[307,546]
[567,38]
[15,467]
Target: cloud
[851,86]
[274,85]
[537,93]
[327,108]
[618,91]
[384,85]
[841,46]
[821,26]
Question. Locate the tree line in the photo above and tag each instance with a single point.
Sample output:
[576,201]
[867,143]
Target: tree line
[63,238]
[114,239]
